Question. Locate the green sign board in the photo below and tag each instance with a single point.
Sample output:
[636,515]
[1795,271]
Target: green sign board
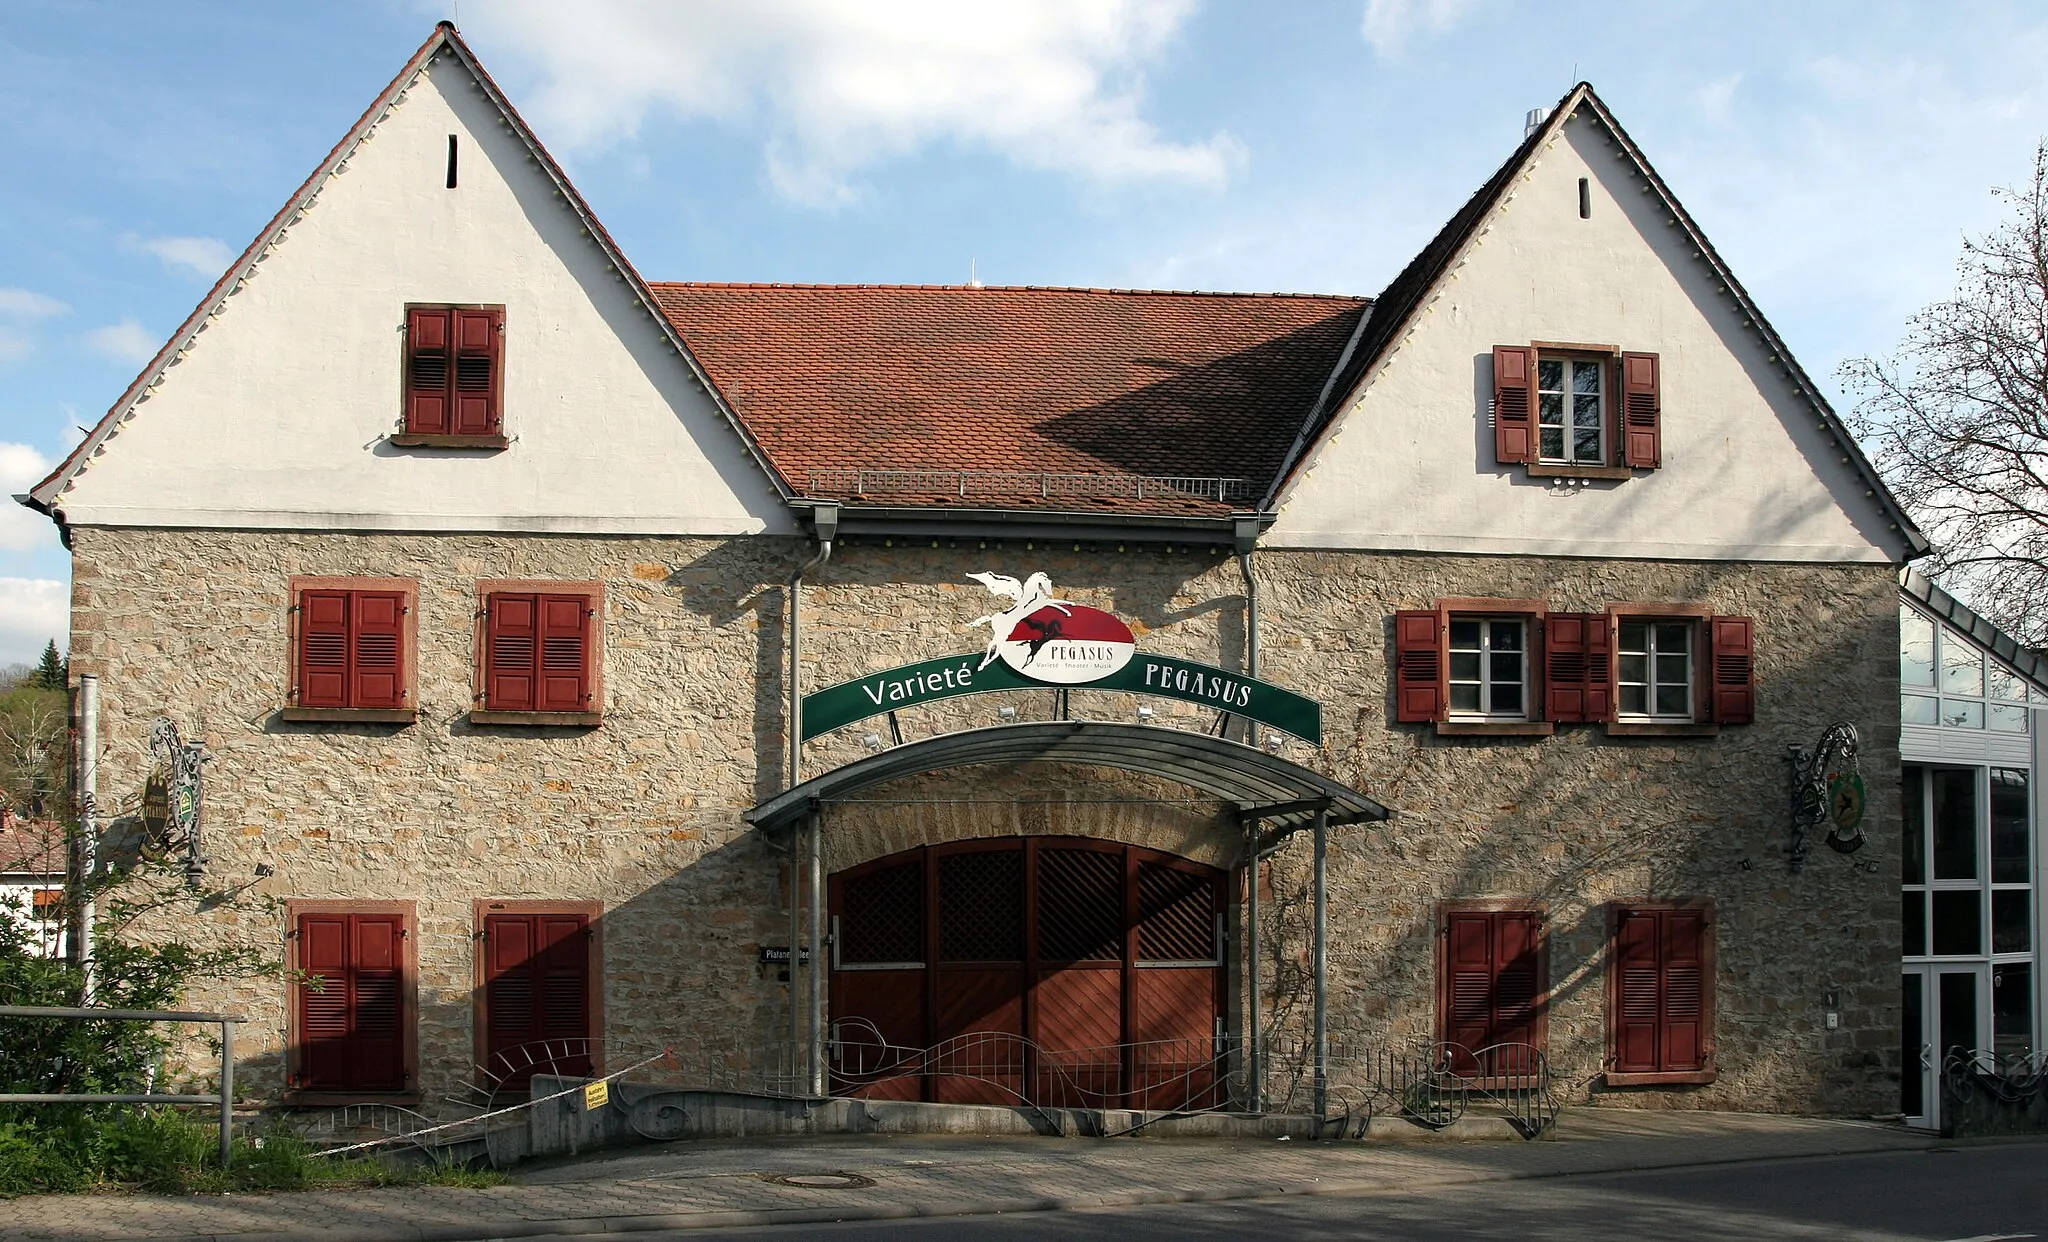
[837,706]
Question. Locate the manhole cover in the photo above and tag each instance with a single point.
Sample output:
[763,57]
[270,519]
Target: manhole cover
[823,1181]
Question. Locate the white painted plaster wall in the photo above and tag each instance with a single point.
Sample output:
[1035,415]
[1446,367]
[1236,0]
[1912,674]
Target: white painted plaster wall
[17,903]
[1748,473]
[279,415]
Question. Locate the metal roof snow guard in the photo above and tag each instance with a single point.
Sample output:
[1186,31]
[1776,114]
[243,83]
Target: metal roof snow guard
[1282,794]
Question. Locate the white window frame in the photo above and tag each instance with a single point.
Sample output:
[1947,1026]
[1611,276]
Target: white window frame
[1486,682]
[1955,709]
[1602,367]
[1650,652]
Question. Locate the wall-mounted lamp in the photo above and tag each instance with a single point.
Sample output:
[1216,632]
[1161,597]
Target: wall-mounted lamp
[264,871]
[1274,742]
[1144,715]
[1007,713]
[873,742]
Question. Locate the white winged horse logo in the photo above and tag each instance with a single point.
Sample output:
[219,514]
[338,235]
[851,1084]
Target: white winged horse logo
[1031,595]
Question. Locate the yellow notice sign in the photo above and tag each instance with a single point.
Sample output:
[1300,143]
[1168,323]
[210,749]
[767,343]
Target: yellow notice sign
[596,1095]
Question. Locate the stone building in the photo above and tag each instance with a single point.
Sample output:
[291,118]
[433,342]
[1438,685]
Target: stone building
[499,583]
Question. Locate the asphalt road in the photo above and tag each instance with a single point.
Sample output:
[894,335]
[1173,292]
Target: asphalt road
[1980,1193]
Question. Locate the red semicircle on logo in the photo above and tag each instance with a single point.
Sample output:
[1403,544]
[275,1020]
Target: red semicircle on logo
[1069,645]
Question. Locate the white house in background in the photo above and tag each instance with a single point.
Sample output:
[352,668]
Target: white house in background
[32,878]
[1974,719]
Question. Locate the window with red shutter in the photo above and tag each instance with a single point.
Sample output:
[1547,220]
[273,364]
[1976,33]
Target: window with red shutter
[1660,998]
[540,654]
[1576,411]
[353,1019]
[1578,668]
[1492,986]
[537,990]
[352,650]
[454,375]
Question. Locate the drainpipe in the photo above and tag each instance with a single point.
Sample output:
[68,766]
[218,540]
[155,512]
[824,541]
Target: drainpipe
[88,826]
[825,522]
[1245,535]
[1322,965]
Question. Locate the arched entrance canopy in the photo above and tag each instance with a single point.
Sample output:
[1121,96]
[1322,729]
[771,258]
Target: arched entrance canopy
[1285,795]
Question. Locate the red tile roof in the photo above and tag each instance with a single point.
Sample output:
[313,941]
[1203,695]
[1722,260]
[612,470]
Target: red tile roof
[31,847]
[1075,399]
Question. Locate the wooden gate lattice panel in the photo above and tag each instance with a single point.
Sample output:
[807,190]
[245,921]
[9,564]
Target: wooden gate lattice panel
[884,916]
[981,906]
[1080,905]
[1176,915]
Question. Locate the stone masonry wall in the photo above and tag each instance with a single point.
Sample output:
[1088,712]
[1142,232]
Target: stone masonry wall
[644,813]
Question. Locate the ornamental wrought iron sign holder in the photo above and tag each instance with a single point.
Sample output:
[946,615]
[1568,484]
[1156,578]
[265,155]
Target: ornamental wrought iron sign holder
[173,798]
[1827,790]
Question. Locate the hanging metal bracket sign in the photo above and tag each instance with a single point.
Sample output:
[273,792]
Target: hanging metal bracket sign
[1045,643]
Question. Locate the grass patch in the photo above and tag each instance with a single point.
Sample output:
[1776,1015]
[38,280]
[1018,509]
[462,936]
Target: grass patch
[72,1150]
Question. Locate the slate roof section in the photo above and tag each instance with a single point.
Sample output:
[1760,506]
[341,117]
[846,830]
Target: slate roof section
[1017,397]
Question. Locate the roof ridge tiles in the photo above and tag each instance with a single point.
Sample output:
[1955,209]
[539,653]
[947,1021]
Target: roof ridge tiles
[658,285]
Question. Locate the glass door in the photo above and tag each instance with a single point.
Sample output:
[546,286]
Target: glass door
[1943,1012]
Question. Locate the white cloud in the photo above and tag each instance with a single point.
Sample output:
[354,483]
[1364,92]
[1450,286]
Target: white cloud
[206,256]
[1388,25]
[22,529]
[32,612]
[13,345]
[842,84]
[27,304]
[126,341]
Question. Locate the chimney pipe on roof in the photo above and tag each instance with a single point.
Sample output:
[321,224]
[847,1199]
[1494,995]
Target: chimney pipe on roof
[1534,121]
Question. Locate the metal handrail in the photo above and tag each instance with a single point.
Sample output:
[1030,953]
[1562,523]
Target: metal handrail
[225,1099]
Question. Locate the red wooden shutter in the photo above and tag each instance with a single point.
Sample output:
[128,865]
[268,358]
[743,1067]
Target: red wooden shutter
[563,973]
[429,335]
[352,1029]
[1638,1000]
[324,1062]
[508,983]
[1468,981]
[1642,436]
[478,353]
[1578,679]
[1418,667]
[377,677]
[1732,658]
[511,646]
[1514,404]
[323,648]
[1660,994]
[378,1041]
[564,653]
[1684,1038]
[1518,981]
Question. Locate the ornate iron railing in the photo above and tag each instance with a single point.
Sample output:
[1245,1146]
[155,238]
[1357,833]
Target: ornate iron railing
[1987,1093]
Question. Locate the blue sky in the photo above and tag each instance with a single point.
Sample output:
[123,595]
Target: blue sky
[1835,152]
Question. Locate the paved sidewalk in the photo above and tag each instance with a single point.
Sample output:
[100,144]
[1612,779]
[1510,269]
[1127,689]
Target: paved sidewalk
[712,1183]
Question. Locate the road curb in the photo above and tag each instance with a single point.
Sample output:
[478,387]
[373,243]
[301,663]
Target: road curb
[598,1226]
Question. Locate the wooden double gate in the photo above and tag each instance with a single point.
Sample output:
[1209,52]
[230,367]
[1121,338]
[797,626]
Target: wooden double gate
[1064,971]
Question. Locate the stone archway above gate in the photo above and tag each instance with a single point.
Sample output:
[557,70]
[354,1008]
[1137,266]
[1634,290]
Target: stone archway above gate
[1284,795]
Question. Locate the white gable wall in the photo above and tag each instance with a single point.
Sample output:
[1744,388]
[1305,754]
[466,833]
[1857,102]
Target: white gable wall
[280,414]
[1748,474]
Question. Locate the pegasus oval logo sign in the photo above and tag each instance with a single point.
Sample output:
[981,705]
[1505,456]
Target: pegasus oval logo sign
[1052,640]
[1068,645]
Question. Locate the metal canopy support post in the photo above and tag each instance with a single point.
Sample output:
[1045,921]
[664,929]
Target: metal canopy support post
[796,909]
[1322,963]
[814,865]
[1255,1022]
[227,1091]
